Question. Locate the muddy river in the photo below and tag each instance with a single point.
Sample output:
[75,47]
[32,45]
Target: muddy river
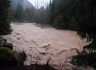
[44,45]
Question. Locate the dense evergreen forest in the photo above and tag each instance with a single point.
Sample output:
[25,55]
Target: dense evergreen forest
[26,12]
[78,15]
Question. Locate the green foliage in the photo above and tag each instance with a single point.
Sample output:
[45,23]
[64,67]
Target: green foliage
[58,22]
[80,59]
[79,15]
[85,59]
[19,13]
[11,14]
[7,57]
[28,15]
[62,8]
[4,22]
[85,16]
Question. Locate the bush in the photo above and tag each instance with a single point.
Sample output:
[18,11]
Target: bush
[61,22]
[7,57]
[58,22]
[85,59]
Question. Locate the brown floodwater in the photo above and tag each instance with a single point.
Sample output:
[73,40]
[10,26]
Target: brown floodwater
[44,45]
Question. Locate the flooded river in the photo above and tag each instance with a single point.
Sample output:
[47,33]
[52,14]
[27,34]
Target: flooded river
[44,44]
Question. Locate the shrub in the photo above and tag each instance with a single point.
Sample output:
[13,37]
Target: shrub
[7,57]
[58,22]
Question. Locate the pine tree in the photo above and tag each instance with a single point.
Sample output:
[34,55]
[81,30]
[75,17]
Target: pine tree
[19,13]
[4,22]
[85,16]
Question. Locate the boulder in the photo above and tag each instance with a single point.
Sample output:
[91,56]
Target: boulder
[8,45]
[2,41]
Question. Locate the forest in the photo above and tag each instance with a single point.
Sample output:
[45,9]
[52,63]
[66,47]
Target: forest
[74,15]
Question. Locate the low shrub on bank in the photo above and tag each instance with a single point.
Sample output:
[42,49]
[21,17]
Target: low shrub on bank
[7,57]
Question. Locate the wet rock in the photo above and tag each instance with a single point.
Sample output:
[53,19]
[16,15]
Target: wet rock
[46,47]
[2,41]
[62,51]
[42,52]
[18,38]
[18,34]
[8,45]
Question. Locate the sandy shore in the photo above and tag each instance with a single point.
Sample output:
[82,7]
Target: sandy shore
[43,44]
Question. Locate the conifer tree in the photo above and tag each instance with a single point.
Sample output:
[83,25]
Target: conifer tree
[85,15]
[19,13]
[4,22]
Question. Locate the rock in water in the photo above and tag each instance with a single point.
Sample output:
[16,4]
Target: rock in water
[2,41]
[8,45]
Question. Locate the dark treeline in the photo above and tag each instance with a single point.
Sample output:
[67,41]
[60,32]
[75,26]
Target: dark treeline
[61,14]
[68,14]
[79,15]
[33,15]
